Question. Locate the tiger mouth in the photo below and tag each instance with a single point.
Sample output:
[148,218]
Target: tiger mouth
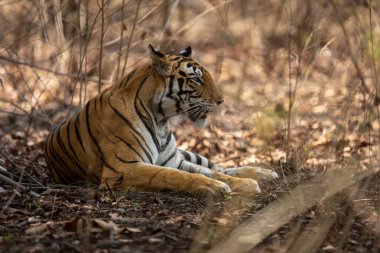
[199,112]
[204,116]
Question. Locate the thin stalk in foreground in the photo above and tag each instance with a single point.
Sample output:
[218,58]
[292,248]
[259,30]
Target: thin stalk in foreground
[130,37]
[101,48]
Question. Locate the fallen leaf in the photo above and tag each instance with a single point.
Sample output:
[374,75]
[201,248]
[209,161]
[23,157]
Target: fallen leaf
[107,226]
[78,225]
[38,229]
[133,230]
[329,248]
[221,221]
[11,210]
[154,240]
[115,216]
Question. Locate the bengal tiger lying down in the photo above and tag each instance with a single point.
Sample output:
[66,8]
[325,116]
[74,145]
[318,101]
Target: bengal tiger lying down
[122,139]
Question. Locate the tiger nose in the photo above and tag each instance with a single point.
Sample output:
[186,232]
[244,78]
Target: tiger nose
[219,100]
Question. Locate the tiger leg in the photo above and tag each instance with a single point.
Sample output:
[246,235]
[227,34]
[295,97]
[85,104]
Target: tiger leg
[245,185]
[256,173]
[143,176]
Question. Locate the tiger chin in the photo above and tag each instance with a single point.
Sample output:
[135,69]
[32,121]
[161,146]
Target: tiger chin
[122,138]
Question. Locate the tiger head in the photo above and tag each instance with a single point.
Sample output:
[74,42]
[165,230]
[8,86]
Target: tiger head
[189,90]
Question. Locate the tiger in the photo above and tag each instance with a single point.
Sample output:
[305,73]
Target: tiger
[122,138]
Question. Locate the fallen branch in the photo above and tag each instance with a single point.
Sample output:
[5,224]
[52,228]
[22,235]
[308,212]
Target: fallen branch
[14,183]
[8,174]
[269,219]
[315,233]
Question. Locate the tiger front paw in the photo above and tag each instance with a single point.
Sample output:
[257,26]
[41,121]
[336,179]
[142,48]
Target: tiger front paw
[244,185]
[256,173]
[210,186]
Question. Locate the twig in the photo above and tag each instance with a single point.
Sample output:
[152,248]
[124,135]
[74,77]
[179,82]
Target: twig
[373,60]
[147,15]
[38,185]
[222,41]
[167,16]
[130,37]
[25,223]
[52,209]
[369,2]
[58,186]
[4,171]
[73,76]
[81,52]
[292,88]
[359,72]
[185,28]
[83,57]
[101,48]
[14,183]
[121,40]
[290,106]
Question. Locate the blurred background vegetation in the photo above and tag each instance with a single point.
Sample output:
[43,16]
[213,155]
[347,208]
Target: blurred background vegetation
[66,50]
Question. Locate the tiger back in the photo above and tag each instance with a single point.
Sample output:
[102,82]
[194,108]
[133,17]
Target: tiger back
[122,137]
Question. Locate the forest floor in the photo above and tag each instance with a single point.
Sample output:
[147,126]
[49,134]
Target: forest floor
[85,219]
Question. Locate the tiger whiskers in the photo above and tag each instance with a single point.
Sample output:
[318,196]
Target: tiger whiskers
[182,111]
[193,112]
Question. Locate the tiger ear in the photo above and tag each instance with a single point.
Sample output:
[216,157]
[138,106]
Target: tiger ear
[186,52]
[160,62]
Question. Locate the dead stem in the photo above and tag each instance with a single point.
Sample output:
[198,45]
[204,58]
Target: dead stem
[18,186]
[34,66]
[101,47]
[130,38]
[121,41]
[351,54]
[376,95]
